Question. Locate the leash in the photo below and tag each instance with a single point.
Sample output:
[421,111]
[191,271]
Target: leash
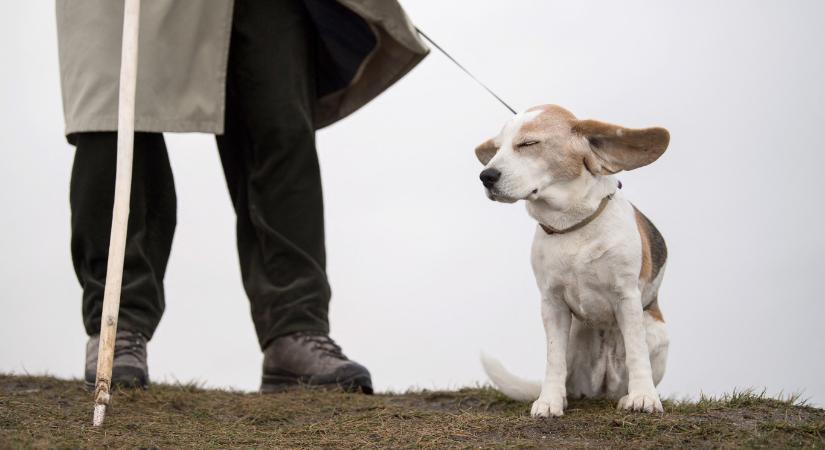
[424,35]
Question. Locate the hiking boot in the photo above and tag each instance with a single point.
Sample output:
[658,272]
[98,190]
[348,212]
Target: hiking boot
[311,359]
[129,368]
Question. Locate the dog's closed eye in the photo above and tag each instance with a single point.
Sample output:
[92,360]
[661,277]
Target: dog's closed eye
[526,144]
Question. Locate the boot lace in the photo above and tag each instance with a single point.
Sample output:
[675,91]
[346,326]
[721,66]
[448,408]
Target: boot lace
[321,343]
[129,344]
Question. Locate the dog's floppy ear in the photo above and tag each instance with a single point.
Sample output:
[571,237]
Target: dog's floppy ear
[616,148]
[486,151]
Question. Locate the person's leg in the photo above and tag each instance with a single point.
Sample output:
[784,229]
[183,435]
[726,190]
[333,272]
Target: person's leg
[151,226]
[271,167]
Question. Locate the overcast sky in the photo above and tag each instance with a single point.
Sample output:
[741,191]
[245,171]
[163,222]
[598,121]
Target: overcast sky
[425,271]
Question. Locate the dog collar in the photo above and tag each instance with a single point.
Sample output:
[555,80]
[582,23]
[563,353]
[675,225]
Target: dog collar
[550,230]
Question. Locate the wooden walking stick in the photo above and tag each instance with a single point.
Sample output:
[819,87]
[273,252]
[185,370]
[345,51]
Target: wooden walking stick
[120,210]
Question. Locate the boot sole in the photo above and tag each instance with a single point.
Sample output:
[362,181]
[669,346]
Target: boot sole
[271,384]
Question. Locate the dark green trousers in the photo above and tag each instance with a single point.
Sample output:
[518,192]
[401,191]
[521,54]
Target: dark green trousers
[271,169]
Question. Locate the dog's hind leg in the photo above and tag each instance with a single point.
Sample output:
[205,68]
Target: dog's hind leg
[596,358]
[657,341]
[585,370]
[596,363]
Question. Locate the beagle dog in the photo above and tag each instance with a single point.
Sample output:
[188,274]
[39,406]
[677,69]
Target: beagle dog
[598,261]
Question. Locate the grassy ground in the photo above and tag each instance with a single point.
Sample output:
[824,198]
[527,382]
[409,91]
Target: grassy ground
[50,413]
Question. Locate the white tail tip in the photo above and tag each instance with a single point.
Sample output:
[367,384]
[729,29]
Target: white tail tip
[509,384]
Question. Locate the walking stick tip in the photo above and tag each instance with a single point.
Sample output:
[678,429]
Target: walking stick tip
[99,415]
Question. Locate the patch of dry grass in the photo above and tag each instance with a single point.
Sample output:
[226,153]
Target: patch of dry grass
[50,413]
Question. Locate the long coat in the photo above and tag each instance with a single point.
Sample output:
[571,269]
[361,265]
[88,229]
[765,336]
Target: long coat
[365,46]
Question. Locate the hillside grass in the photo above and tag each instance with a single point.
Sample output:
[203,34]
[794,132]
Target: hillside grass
[45,412]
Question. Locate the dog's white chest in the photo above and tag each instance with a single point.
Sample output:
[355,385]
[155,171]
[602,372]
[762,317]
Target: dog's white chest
[584,271]
[590,306]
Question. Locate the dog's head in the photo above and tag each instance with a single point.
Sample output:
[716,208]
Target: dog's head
[546,146]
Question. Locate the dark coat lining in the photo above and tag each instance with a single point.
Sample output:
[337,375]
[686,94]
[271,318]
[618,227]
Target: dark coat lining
[344,39]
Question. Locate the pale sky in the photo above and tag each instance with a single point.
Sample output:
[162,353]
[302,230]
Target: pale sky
[425,271]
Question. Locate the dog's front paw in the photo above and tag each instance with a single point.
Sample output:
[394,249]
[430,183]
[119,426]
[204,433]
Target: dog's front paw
[549,407]
[645,401]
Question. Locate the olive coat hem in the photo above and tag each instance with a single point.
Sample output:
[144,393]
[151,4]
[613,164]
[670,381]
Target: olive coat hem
[364,47]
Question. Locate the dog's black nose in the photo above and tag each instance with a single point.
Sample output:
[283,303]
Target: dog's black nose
[489,177]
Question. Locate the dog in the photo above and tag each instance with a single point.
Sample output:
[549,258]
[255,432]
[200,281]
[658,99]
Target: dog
[598,261]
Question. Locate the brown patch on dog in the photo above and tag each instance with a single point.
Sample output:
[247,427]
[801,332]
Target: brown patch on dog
[551,117]
[619,148]
[654,250]
[647,265]
[554,110]
[566,165]
[486,151]
[654,311]
[553,124]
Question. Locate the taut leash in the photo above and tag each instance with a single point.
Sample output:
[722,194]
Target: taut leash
[424,35]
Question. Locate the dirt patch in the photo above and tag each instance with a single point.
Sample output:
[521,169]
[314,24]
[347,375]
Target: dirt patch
[50,413]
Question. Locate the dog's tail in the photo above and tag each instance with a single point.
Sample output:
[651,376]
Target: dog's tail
[509,384]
